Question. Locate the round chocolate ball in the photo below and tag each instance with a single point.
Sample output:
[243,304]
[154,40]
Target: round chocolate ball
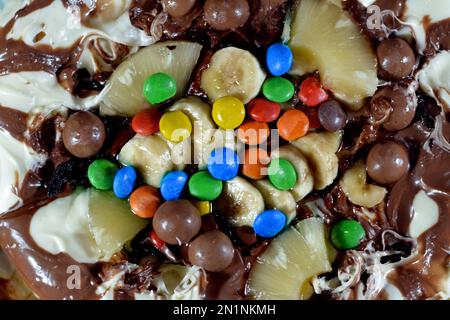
[226,15]
[84,134]
[178,8]
[396,58]
[387,162]
[177,222]
[212,251]
[402,105]
[331,115]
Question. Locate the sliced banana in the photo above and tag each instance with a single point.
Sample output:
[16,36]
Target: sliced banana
[277,199]
[180,153]
[320,150]
[123,95]
[240,202]
[305,179]
[203,126]
[356,189]
[150,155]
[233,72]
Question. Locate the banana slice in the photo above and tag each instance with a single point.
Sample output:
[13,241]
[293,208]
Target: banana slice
[123,94]
[180,153]
[233,72]
[277,199]
[305,179]
[356,189]
[150,155]
[204,128]
[320,150]
[240,201]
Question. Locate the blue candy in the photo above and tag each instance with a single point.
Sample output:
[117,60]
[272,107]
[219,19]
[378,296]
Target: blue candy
[279,59]
[223,164]
[269,223]
[172,185]
[124,182]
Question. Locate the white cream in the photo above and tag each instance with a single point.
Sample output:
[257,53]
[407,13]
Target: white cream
[62,226]
[65,27]
[36,89]
[15,161]
[8,9]
[426,214]
[418,11]
[366,3]
[434,78]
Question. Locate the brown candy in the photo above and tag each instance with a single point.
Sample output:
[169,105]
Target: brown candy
[84,134]
[178,8]
[396,59]
[402,106]
[331,116]
[212,251]
[226,15]
[387,162]
[177,222]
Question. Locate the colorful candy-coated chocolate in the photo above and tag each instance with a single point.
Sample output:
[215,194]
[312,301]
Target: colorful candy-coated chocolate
[204,187]
[159,87]
[347,234]
[282,174]
[278,89]
[279,59]
[311,92]
[332,116]
[293,124]
[101,174]
[253,133]
[144,201]
[146,122]
[255,163]
[156,241]
[263,110]
[124,182]
[175,126]
[223,164]
[203,207]
[172,185]
[269,223]
[228,112]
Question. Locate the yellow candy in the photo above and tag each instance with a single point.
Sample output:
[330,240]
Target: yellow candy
[228,112]
[175,126]
[204,207]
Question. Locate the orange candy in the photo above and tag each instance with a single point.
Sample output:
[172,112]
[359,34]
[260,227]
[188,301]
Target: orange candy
[253,133]
[293,124]
[256,161]
[146,122]
[144,201]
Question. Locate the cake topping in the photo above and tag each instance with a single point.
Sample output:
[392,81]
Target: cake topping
[178,8]
[269,223]
[293,124]
[277,89]
[262,110]
[84,134]
[124,182]
[212,251]
[347,234]
[204,187]
[172,185]
[101,174]
[226,15]
[387,162]
[396,58]
[279,59]
[331,115]
[144,201]
[176,222]
[146,122]
[311,92]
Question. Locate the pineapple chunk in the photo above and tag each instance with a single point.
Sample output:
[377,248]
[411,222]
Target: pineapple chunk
[111,222]
[123,94]
[324,38]
[284,270]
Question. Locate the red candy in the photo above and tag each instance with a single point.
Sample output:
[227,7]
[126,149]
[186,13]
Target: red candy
[262,110]
[156,241]
[146,122]
[311,92]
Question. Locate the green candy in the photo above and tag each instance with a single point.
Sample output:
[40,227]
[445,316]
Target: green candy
[282,174]
[204,187]
[347,234]
[159,87]
[278,89]
[101,174]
